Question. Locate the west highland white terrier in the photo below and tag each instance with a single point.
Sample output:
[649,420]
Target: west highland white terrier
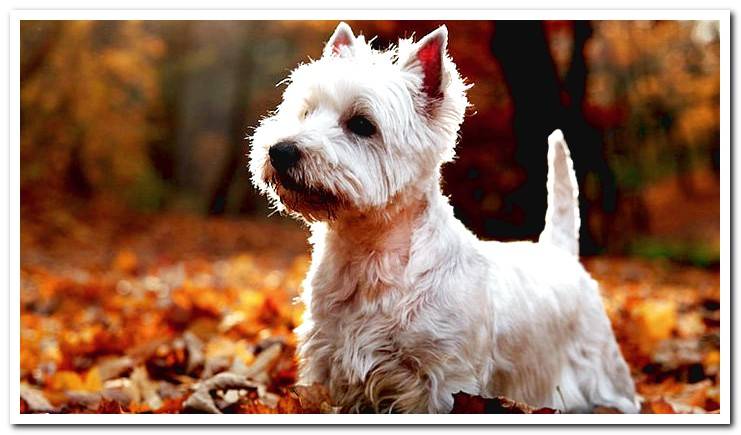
[405,306]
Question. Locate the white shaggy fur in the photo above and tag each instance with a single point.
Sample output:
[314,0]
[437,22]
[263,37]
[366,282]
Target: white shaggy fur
[404,306]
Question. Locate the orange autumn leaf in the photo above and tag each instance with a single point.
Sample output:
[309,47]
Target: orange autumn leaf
[658,319]
[72,381]
[189,318]
[126,261]
[659,406]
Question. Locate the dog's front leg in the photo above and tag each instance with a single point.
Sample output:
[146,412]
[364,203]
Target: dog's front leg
[313,357]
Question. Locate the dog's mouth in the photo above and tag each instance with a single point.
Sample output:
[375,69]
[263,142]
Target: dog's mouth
[303,198]
[288,182]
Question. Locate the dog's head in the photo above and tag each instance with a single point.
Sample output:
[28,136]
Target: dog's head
[359,129]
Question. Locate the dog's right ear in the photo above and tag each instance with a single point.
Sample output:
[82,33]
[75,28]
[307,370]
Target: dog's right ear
[428,57]
[341,42]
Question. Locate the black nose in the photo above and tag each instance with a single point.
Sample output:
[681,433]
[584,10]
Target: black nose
[284,156]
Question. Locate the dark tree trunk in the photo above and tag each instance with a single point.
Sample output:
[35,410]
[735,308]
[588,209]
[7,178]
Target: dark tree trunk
[235,161]
[522,51]
[541,104]
[224,198]
[35,56]
[587,148]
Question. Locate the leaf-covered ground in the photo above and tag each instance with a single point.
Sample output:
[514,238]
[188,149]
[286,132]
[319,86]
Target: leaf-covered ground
[172,313]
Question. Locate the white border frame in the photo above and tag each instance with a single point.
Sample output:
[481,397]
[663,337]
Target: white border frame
[723,16]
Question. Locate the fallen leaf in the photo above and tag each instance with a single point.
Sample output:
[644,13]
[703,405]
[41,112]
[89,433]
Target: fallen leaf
[35,399]
[112,367]
[66,380]
[658,318]
[312,398]
[125,261]
[263,361]
[467,404]
[659,406]
[201,400]
[194,346]
[144,390]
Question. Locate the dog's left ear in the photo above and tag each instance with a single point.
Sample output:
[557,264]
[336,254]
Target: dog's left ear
[341,42]
[429,54]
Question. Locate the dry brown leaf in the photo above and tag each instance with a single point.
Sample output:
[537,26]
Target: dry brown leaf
[194,345]
[126,261]
[144,390]
[468,404]
[658,406]
[657,319]
[113,367]
[263,361]
[35,399]
[83,327]
[201,400]
[313,398]
[605,410]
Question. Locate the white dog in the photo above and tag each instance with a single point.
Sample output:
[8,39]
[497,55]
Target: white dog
[404,306]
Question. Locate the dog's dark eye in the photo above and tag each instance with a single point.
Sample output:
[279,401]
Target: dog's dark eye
[361,126]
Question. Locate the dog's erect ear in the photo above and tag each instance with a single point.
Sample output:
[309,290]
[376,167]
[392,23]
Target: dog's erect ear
[429,54]
[342,37]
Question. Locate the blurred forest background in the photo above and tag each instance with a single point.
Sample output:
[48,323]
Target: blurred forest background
[152,279]
[154,115]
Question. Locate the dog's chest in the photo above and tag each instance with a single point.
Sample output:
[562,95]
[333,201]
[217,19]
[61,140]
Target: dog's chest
[366,321]
[365,308]
[358,277]
[372,355]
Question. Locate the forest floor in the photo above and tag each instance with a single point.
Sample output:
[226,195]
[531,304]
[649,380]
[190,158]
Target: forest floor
[175,313]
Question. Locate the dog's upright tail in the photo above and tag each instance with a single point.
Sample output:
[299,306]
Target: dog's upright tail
[562,216]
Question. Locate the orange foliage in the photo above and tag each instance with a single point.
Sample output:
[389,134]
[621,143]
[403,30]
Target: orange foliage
[86,106]
[137,332]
